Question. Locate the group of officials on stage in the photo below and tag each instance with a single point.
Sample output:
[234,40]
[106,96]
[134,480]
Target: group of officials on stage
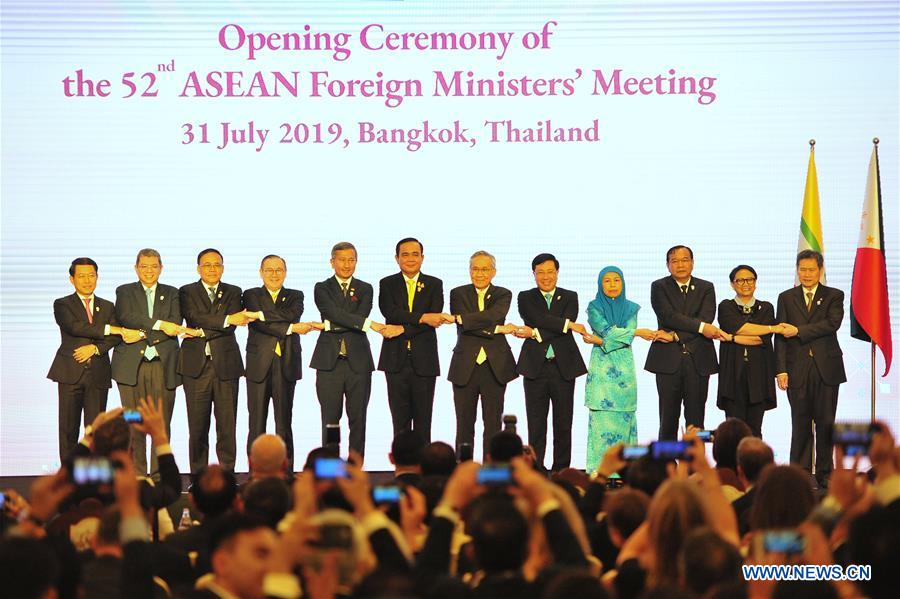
[144,325]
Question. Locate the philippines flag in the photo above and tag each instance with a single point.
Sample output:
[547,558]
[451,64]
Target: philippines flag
[870,318]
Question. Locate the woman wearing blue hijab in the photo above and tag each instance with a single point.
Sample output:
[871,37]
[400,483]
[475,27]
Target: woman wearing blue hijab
[611,387]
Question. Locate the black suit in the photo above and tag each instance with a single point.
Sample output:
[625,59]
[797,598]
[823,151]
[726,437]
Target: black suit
[81,386]
[268,373]
[210,380]
[410,361]
[349,374]
[815,367]
[488,380]
[137,377]
[682,367]
[550,380]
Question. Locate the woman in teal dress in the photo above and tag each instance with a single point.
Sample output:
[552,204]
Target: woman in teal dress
[611,387]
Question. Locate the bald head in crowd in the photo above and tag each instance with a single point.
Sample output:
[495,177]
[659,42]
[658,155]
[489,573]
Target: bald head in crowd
[753,455]
[268,457]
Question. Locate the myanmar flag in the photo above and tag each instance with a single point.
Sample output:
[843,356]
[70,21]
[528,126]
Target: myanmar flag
[870,318]
[811,217]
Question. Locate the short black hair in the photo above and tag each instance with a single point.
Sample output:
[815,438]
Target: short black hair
[646,474]
[28,567]
[213,489]
[83,261]
[541,258]
[230,526]
[725,442]
[675,248]
[753,455]
[261,262]
[207,251]
[734,271]
[112,435]
[504,446]
[438,458]
[407,240]
[343,245]
[406,448]
[707,561]
[268,499]
[499,534]
[810,254]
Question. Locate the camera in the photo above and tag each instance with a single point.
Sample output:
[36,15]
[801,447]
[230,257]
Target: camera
[853,437]
[330,468]
[495,475]
[670,450]
[132,417]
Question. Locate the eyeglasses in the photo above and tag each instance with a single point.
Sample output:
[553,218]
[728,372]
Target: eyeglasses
[273,271]
[744,281]
[481,270]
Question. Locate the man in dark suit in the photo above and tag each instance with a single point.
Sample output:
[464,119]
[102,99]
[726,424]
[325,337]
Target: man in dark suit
[482,362]
[210,360]
[411,303]
[342,357]
[273,352]
[809,362]
[88,330]
[147,369]
[683,355]
[550,360]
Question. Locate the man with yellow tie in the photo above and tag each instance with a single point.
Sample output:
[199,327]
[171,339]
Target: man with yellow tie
[411,303]
[273,351]
[482,362]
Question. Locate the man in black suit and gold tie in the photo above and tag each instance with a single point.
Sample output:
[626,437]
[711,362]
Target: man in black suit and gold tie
[550,360]
[88,329]
[482,362]
[342,357]
[809,362]
[210,360]
[273,352]
[683,355]
[411,303]
[147,369]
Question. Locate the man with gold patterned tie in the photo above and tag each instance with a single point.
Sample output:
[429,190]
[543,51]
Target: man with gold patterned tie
[482,362]
[411,303]
[88,329]
[273,352]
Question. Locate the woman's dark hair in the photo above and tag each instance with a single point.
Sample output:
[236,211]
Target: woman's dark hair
[735,270]
[784,498]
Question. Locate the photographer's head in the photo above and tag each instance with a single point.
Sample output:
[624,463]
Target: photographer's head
[112,435]
[504,446]
[213,490]
[241,548]
[499,534]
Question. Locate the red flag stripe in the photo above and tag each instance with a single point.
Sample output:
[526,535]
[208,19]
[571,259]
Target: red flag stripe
[869,299]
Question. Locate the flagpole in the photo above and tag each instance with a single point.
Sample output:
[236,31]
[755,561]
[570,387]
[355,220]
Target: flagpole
[872,343]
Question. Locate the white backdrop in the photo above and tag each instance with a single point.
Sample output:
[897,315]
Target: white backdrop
[106,176]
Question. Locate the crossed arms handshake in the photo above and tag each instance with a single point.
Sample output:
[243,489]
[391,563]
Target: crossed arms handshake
[432,319]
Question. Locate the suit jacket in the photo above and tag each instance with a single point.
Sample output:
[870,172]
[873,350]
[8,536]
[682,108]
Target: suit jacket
[682,315]
[76,330]
[347,316]
[199,312]
[422,338]
[131,310]
[550,322]
[279,315]
[477,331]
[818,334]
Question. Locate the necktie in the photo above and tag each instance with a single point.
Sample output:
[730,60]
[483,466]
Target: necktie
[87,308]
[150,352]
[482,355]
[548,297]
[343,350]
[809,297]
[684,290]
[410,296]
[277,343]
[211,291]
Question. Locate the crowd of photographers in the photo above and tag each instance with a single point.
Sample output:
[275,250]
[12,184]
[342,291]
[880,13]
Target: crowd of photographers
[646,526]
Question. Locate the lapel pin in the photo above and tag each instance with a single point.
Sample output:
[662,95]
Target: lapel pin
[558,297]
[819,303]
[487,297]
[162,297]
[282,299]
[97,309]
[220,295]
[692,287]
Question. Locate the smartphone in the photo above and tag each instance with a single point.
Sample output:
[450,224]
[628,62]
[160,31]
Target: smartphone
[853,437]
[92,471]
[382,495]
[789,542]
[333,438]
[633,452]
[132,417]
[495,474]
[706,436]
[2,500]
[465,453]
[330,468]
[670,450]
